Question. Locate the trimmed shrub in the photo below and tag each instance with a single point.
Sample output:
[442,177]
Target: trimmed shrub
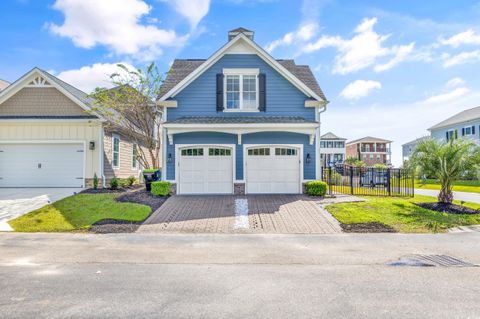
[160,188]
[95,181]
[113,183]
[132,180]
[316,188]
[150,170]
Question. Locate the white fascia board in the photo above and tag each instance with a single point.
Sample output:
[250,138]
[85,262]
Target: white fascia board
[241,126]
[22,82]
[222,51]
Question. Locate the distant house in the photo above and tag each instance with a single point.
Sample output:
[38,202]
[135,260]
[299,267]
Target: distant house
[408,148]
[332,149]
[464,124]
[371,150]
[3,84]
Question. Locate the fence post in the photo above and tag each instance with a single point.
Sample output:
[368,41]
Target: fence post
[351,180]
[389,186]
[330,179]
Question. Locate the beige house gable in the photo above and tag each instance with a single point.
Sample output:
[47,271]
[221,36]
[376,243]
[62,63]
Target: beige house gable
[40,101]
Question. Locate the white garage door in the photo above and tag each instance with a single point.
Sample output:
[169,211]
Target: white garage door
[41,165]
[205,170]
[273,170]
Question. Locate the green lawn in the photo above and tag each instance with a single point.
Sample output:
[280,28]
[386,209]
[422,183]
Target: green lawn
[401,214]
[78,212]
[459,186]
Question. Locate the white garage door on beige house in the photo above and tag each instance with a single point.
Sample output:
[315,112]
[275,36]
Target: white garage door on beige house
[48,136]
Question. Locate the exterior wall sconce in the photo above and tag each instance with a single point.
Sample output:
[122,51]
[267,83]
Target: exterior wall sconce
[91,145]
[308,158]
[169,158]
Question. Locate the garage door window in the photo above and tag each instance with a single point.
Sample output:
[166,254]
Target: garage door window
[115,151]
[259,151]
[286,151]
[192,152]
[219,152]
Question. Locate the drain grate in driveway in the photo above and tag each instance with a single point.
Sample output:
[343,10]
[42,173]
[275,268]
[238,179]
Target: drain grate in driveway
[420,260]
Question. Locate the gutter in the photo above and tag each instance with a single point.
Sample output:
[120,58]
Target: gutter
[102,150]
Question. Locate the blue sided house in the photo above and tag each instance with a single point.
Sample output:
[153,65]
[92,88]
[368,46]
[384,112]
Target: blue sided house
[240,122]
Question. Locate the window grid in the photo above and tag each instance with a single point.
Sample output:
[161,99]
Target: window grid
[134,156]
[259,151]
[192,152]
[285,151]
[116,152]
[241,92]
[219,152]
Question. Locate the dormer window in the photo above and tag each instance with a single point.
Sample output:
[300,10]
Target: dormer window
[241,90]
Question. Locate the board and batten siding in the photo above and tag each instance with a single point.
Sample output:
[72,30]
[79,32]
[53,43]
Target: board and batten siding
[55,131]
[199,97]
[268,138]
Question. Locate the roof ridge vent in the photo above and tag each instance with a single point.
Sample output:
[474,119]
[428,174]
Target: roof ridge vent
[233,33]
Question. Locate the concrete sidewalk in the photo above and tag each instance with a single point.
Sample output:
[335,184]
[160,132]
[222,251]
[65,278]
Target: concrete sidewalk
[467,197]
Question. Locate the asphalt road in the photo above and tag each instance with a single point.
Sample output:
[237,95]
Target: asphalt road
[468,197]
[235,276]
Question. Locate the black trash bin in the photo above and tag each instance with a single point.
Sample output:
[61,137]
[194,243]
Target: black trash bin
[151,175]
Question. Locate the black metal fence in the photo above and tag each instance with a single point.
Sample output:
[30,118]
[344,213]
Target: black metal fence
[368,181]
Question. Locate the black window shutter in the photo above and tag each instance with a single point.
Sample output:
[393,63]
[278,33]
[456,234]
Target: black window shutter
[219,92]
[473,130]
[456,134]
[463,131]
[262,92]
[447,136]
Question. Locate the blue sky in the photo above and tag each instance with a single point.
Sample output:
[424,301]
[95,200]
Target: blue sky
[389,68]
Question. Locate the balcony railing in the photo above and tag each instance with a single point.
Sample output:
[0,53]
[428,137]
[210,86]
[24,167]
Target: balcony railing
[375,150]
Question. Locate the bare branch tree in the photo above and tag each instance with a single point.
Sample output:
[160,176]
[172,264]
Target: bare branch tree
[130,109]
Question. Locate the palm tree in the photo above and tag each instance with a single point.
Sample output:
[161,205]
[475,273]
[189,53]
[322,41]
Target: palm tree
[446,161]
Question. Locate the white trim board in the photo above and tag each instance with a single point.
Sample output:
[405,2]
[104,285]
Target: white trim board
[259,51]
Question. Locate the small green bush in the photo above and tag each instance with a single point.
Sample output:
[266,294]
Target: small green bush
[95,181]
[113,183]
[316,188]
[160,188]
[132,180]
[150,170]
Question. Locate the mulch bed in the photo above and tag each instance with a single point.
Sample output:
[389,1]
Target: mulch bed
[449,208]
[110,191]
[373,227]
[141,196]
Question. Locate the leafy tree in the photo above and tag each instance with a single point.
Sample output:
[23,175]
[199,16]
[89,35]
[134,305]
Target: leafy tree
[447,161]
[380,166]
[130,108]
[352,161]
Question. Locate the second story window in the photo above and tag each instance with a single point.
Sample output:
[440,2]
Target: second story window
[115,151]
[241,90]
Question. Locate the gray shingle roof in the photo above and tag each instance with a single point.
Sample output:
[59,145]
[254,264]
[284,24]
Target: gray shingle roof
[417,140]
[331,136]
[369,139]
[464,116]
[182,68]
[239,120]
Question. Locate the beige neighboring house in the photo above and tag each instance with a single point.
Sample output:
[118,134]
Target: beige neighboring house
[49,137]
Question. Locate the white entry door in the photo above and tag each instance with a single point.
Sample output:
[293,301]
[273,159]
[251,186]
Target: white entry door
[41,165]
[205,170]
[273,170]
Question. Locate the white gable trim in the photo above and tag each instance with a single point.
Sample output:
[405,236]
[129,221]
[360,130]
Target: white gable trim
[25,80]
[259,51]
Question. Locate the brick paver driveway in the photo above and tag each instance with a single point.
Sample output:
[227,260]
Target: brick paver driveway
[283,214]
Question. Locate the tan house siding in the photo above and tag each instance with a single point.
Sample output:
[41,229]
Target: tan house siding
[126,151]
[45,101]
[83,132]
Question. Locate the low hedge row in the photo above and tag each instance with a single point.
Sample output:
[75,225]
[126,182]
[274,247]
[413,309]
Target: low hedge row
[160,188]
[316,188]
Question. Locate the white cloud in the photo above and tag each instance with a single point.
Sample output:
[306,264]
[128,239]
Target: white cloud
[455,82]
[359,89]
[87,78]
[303,33]
[400,123]
[461,58]
[467,37]
[447,97]
[192,10]
[366,48]
[115,25]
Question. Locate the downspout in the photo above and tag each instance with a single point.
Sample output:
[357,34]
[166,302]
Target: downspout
[321,110]
[101,151]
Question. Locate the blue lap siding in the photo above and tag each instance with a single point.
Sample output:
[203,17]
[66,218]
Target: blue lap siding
[254,138]
[282,97]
